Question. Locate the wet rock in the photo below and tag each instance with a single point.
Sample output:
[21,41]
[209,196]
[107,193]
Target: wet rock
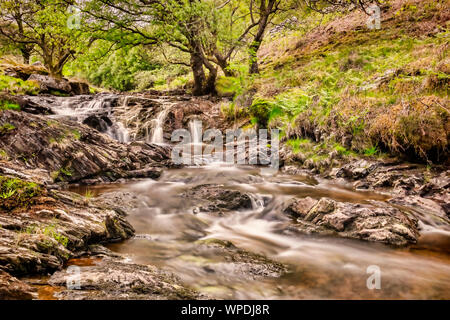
[28,104]
[12,288]
[99,123]
[301,207]
[41,237]
[114,279]
[427,207]
[71,152]
[205,111]
[372,222]
[231,260]
[215,198]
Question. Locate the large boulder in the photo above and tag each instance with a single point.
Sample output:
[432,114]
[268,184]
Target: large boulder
[377,222]
[79,88]
[49,84]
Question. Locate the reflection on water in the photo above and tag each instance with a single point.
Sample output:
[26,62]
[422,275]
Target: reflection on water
[319,267]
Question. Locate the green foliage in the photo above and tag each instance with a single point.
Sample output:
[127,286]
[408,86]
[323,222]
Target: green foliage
[373,150]
[49,231]
[17,193]
[42,28]
[6,127]
[296,144]
[7,105]
[122,70]
[3,155]
[61,174]
[17,86]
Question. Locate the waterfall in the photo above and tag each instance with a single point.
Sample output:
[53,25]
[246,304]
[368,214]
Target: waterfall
[195,127]
[157,125]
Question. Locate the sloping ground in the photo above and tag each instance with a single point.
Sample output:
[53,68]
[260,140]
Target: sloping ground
[366,91]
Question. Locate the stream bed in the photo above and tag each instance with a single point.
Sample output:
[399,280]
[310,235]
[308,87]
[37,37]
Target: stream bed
[169,228]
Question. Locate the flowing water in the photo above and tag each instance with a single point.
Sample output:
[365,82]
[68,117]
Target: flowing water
[169,226]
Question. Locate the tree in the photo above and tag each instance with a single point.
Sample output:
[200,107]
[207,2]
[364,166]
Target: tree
[40,27]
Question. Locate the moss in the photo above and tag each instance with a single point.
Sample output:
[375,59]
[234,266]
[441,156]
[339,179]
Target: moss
[8,105]
[76,134]
[61,174]
[17,193]
[17,86]
[3,155]
[6,128]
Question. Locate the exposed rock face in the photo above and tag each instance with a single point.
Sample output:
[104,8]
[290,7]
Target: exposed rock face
[13,289]
[23,72]
[378,222]
[114,279]
[73,153]
[214,198]
[42,237]
[356,170]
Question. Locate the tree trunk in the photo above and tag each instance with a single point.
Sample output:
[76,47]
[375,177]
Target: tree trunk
[26,55]
[210,86]
[259,36]
[199,74]
[253,53]
[223,64]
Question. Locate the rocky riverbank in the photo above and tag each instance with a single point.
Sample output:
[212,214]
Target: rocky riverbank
[43,227]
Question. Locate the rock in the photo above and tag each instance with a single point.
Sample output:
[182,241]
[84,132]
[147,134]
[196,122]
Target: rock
[48,84]
[301,207]
[427,207]
[114,279]
[40,237]
[215,198]
[79,88]
[234,261]
[357,170]
[70,152]
[372,222]
[99,123]
[23,72]
[13,289]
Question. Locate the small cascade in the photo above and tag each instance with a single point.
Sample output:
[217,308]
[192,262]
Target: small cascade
[195,127]
[157,124]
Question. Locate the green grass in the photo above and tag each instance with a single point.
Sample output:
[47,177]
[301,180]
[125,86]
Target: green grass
[298,145]
[49,231]
[17,193]
[8,105]
[17,86]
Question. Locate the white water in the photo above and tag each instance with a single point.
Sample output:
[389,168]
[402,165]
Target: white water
[319,267]
[157,124]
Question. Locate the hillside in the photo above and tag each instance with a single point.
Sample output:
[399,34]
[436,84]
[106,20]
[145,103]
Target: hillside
[342,86]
